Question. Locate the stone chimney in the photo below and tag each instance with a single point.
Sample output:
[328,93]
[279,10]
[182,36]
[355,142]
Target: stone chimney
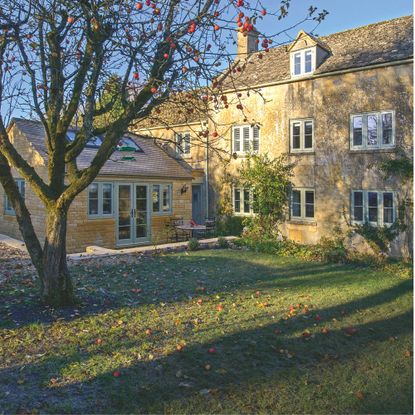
[247,43]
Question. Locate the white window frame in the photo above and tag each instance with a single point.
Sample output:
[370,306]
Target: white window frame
[8,208]
[161,187]
[242,201]
[302,148]
[302,54]
[303,216]
[379,145]
[251,139]
[100,213]
[380,207]
[186,138]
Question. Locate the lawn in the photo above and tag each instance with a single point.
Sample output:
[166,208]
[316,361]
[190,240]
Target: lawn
[215,331]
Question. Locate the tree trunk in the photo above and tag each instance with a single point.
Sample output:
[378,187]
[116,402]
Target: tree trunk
[57,287]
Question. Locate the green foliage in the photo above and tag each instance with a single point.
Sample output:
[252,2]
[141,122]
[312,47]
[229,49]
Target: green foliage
[270,179]
[110,97]
[379,237]
[223,242]
[329,250]
[229,226]
[402,166]
[193,244]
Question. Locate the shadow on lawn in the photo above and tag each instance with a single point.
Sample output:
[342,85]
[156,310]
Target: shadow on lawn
[177,282]
[244,361]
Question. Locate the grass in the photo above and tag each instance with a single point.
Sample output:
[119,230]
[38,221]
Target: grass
[346,347]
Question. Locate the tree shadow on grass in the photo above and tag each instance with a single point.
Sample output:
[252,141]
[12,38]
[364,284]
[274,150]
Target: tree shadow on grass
[166,279]
[248,364]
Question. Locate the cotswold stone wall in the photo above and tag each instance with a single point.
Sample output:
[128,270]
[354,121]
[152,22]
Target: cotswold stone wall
[8,224]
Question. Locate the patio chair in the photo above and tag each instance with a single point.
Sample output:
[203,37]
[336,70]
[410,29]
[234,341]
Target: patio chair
[210,224]
[174,234]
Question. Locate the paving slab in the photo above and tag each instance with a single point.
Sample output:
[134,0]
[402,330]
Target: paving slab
[98,251]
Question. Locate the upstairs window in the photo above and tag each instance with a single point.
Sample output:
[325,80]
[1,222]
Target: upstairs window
[100,199]
[302,204]
[8,208]
[301,135]
[302,62]
[243,201]
[245,139]
[374,207]
[375,130]
[161,197]
[183,143]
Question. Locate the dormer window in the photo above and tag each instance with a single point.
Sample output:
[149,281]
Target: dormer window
[302,62]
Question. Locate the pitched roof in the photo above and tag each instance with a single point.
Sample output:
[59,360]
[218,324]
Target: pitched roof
[387,41]
[152,162]
[180,108]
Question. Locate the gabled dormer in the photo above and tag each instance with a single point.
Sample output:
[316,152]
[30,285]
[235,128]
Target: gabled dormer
[306,54]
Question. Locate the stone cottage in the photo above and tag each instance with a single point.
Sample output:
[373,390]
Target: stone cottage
[337,105]
[136,193]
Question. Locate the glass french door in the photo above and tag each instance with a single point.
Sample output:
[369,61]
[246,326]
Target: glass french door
[133,224]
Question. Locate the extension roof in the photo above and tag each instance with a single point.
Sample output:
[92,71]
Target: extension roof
[153,161]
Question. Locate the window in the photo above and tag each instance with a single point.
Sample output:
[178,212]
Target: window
[161,197]
[128,144]
[8,208]
[246,139]
[100,199]
[243,201]
[302,204]
[302,135]
[125,144]
[302,62]
[183,143]
[372,130]
[374,207]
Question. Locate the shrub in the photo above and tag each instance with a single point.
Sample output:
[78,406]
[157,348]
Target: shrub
[223,242]
[327,250]
[269,181]
[331,250]
[193,244]
[229,226]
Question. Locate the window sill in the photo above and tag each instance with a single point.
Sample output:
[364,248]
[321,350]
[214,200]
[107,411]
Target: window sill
[97,217]
[372,150]
[9,213]
[302,222]
[302,153]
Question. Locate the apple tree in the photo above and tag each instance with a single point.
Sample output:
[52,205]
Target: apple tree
[57,56]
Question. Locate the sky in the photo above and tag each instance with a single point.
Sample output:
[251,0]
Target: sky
[343,14]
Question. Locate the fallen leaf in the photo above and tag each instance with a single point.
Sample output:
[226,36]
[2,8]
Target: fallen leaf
[408,353]
[359,395]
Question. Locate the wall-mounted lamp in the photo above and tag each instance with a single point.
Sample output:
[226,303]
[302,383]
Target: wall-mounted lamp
[184,189]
